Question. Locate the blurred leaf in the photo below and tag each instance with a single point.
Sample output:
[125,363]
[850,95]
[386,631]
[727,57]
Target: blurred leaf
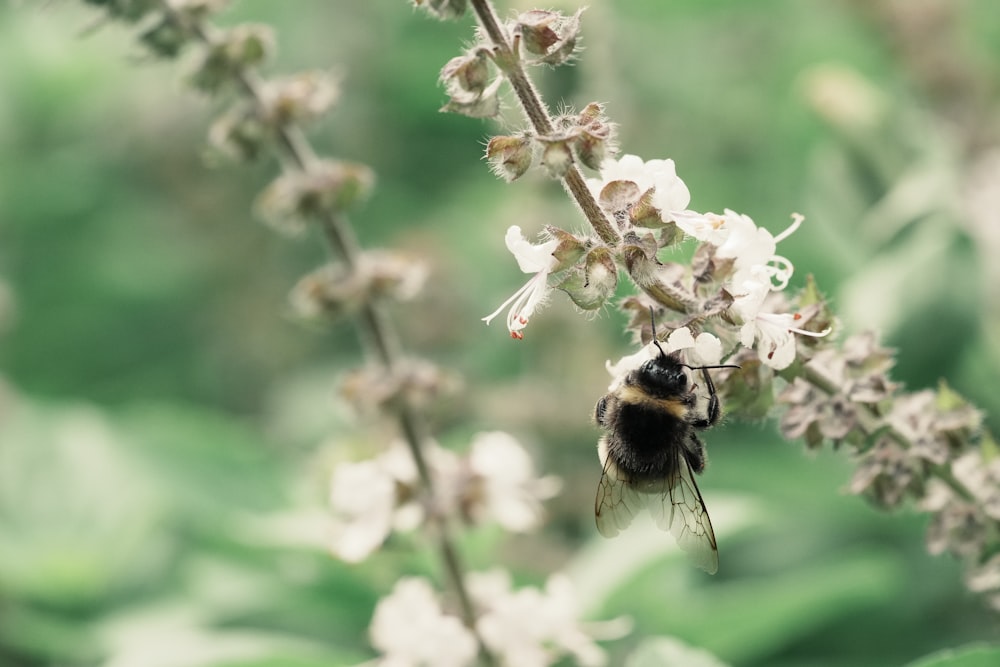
[976,655]
[78,521]
[206,461]
[178,635]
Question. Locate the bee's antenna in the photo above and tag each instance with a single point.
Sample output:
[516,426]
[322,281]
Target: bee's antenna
[707,368]
[652,325]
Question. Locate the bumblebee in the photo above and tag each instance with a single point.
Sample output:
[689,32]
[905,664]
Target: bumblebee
[650,452]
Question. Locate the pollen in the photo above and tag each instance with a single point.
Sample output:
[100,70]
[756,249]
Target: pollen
[517,335]
[522,319]
[797,316]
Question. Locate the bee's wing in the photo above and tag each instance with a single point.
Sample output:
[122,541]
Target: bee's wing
[679,508]
[616,503]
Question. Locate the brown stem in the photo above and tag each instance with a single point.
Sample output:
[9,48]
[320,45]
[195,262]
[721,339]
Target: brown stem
[534,109]
[374,324]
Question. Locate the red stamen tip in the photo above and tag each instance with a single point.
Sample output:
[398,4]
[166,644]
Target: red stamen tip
[517,335]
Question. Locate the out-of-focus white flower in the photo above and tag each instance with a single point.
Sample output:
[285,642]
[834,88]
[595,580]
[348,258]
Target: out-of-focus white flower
[531,258]
[506,488]
[363,498]
[411,630]
[369,499]
[530,627]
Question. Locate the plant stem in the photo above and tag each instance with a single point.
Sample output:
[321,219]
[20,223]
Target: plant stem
[376,328]
[538,116]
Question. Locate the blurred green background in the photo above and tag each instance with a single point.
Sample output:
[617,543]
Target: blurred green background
[167,429]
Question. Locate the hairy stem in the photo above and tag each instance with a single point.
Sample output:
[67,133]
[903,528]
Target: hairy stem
[534,109]
[376,327]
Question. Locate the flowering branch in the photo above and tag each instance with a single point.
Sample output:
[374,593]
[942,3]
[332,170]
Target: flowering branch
[300,159]
[414,482]
[730,303]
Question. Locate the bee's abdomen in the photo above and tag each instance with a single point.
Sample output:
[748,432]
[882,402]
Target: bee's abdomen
[644,440]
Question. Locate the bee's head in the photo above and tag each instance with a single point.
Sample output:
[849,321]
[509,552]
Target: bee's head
[664,372]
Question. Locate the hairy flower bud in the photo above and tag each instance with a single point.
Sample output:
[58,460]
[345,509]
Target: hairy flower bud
[594,136]
[557,157]
[415,380]
[327,187]
[301,97]
[470,84]
[569,250]
[509,156]
[591,285]
[335,289]
[549,36]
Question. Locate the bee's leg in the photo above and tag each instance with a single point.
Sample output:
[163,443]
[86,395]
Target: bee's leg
[694,452]
[600,410]
[714,410]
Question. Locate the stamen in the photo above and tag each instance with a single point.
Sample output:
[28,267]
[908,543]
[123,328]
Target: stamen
[796,221]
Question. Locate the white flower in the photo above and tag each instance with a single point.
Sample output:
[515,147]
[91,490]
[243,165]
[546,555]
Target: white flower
[370,499]
[629,362]
[411,630]
[757,272]
[753,248]
[705,350]
[363,498]
[670,195]
[530,627]
[772,332]
[508,490]
[707,227]
[532,258]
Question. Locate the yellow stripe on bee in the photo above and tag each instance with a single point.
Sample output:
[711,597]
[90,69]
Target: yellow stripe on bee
[634,395]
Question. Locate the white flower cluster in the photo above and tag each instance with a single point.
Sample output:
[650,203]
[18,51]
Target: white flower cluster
[495,481]
[755,274]
[527,627]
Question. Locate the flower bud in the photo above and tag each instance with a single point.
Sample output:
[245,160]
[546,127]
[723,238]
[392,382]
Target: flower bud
[591,286]
[413,380]
[467,74]
[301,97]
[509,156]
[467,81]
[550,36]
[557,157]
[617,197]
[594,136]
[335,289]
[327,187]
[569,250]
[643,214]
